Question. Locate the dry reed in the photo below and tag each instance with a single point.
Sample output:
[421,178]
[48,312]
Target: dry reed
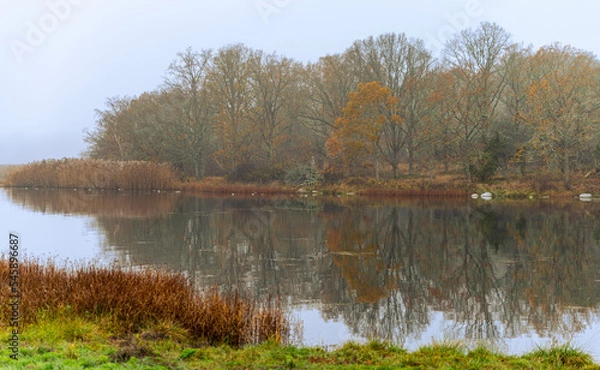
[94,174]
[218,185]
[133,300]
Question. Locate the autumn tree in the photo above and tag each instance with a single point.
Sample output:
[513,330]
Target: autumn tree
[108,140]
[563,103]
[229,85]
[327,85]
[517,77]
[369,130]
[127,130]
[401,65]
[438,133]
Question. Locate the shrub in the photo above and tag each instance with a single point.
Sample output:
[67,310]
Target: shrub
[305,175]
[249,172]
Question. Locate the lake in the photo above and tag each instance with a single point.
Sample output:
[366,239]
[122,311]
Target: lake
[514,275]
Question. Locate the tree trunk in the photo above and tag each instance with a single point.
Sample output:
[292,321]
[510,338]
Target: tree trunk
[566,171]
[199,168]
[469,171]
[411,158]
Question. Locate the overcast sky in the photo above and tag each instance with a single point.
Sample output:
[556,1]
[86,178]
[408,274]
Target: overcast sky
[61,59]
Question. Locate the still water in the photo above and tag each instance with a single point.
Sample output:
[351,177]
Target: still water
[515,275]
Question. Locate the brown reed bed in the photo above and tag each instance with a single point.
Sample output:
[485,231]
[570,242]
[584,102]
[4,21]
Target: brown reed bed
[218,185]
[94,174]
[134,299]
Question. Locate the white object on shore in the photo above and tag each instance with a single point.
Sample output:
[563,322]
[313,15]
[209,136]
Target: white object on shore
[585,196]
[474,195]
[486,196]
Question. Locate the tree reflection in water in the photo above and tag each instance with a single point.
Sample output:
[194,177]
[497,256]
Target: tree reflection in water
[495,270]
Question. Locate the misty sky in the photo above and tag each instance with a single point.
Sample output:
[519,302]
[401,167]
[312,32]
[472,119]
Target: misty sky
[61,59]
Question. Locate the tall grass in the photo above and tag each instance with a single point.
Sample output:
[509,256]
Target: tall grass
[94,174]
[4,171]
[135,299]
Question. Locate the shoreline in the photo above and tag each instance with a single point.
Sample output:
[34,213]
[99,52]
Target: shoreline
[453,187]
[75,341]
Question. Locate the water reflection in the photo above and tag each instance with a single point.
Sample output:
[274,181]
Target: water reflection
[386,268]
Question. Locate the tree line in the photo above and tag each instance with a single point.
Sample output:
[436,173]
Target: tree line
[384,107]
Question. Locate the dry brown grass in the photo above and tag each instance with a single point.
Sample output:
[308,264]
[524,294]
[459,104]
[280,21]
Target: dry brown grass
[4,171]
[218,185]
[133,300]
[94,174]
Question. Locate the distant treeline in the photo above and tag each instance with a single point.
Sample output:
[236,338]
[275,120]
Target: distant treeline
[384,104]
[95,174]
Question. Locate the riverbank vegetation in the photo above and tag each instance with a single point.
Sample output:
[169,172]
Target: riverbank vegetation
[4,171]
[75,342]
[91,174]
[129,300]
[386,108]
[94,174]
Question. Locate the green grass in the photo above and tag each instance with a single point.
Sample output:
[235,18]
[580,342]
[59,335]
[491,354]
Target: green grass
[64,341]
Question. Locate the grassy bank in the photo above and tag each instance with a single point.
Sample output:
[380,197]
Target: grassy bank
[71,342]
[110,318]
[129,300]
[94,174]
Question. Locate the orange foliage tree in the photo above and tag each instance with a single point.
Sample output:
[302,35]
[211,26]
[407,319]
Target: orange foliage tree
[563,104]
[369,130]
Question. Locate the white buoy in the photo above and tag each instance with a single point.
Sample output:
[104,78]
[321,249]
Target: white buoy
[486,196]
[585,196]
[474,195]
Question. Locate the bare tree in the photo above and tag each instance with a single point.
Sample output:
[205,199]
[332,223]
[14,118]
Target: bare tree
[274,82]
[474,57]
[190,128]
[229,85]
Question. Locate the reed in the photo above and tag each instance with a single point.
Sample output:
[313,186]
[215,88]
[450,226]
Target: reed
[94,174]
[134,299]
[218,185]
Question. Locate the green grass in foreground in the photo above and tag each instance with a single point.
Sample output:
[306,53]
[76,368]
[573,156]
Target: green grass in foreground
[74,342]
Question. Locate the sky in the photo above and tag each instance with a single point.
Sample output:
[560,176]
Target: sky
[60,60]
